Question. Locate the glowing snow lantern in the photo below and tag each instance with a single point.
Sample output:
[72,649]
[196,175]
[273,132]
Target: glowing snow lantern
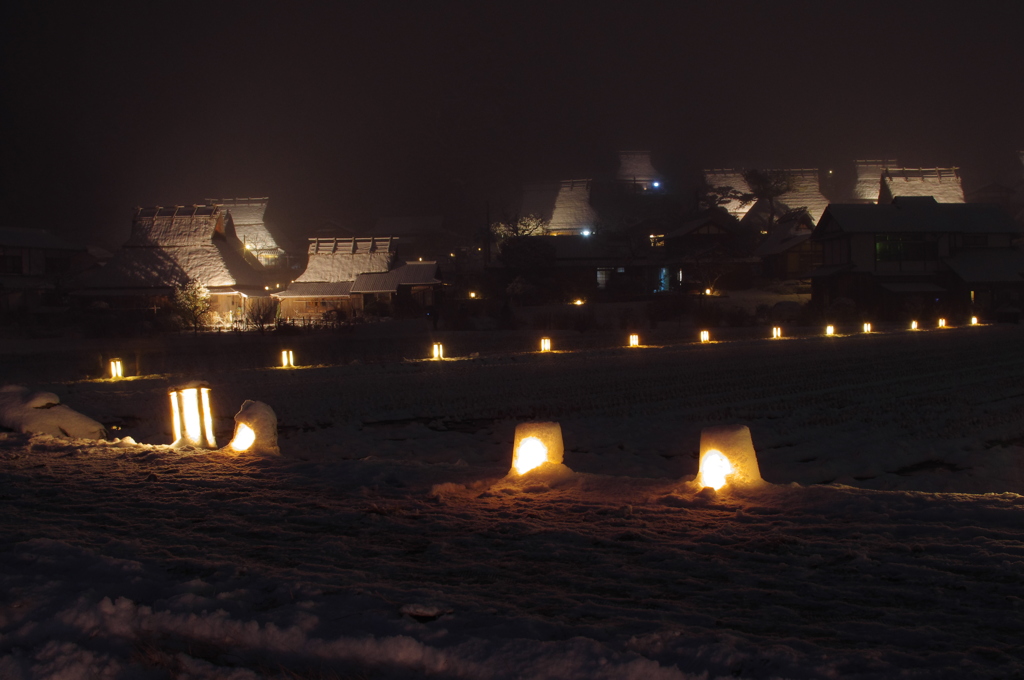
[776,332]
[913,325]
[942,323]
[191,421]
[727,456]
[545,344]
[830,330]
[705,336]
[116,369]
[287,359]
[867,328]
[438,351]
[536,444]
[255,429]
[472,295]
[974,321]
[634,340]
[707,291]
[577,302]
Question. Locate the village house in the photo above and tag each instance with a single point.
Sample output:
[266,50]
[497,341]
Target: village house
[917,256]
[353,277]
[167,247]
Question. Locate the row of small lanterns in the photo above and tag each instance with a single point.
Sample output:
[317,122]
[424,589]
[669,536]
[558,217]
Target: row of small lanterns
[288,356]
[726,452]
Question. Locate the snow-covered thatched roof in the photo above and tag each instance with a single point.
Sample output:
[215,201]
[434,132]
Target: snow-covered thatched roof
[941,183]
[806,192]
[869,179]
[565,205]
[169,245]
[635,166]
[246,216]
[342,259]
[733,179]
[318,289]
[409,274]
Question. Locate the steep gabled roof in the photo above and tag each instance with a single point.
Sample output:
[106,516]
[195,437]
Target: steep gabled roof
[869,179]
[169,245]
[733,178]
[909,214]
[246,216]
[342,259]
[565,205]
[943,184]
[635,166]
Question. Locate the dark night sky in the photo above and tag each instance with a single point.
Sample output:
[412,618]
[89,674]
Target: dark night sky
[386,108]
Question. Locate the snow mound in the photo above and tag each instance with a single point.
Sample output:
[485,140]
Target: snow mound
[42,413]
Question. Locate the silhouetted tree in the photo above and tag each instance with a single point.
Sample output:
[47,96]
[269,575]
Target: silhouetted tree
[192,302]
[768,186]
[261,312]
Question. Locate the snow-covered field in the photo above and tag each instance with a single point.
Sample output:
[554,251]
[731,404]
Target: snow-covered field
[385,543]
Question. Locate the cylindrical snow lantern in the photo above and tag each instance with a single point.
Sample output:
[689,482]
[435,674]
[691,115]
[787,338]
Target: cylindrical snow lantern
[545,344]
[867,328]
[191,420]
[536,444]
[116,368]
[942,323]
[634,340]
[776,332]
[705,336]
[913,325]
[727,456]
[287,359]
[974,321]
[830,330]
[438,351]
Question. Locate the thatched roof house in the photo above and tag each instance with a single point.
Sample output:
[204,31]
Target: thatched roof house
[565,205]
[345,275]
[941,183]
[170,245]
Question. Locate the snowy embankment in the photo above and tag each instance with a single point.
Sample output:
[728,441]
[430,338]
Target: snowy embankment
[383,543]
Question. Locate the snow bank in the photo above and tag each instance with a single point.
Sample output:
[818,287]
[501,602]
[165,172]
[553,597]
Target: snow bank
[42,413]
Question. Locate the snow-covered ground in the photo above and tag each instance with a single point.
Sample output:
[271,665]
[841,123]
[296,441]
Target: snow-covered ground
[385,543]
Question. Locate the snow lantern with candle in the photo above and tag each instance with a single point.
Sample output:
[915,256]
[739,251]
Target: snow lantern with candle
[116,369]
[705,336]
[776,332]
[438,351]
[536,444]
[913,325]
[727,457]
[830,330]
[634,340]
[287,359]
[942,323]
[255,429]
[867,327]
[191,420]
[545,344]
[974,321]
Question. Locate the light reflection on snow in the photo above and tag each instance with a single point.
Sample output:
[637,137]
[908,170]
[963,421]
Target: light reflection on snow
[244,437]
